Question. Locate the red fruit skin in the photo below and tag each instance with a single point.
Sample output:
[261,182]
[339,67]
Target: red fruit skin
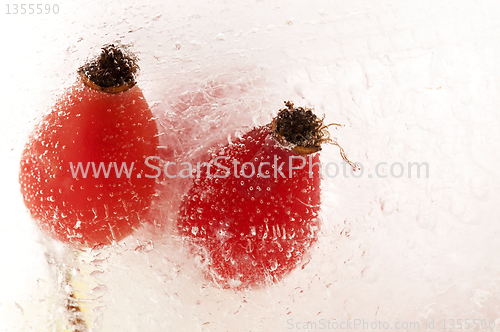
[90,126]
[252,231]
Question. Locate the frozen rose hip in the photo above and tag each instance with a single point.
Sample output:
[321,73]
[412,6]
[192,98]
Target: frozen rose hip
[252,214]
[102,123]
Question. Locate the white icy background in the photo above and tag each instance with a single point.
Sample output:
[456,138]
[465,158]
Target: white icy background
[412,81]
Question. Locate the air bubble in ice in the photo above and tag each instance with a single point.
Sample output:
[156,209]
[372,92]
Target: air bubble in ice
[274,266]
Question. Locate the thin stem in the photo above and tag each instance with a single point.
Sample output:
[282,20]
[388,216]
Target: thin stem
[333,141]
[343,155]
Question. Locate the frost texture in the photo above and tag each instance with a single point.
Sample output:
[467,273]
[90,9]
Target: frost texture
[414,81]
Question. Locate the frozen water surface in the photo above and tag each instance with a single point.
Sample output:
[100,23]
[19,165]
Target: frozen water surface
[412,81]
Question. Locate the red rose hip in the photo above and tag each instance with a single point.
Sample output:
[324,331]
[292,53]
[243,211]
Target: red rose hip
[252,213]
[104,124]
